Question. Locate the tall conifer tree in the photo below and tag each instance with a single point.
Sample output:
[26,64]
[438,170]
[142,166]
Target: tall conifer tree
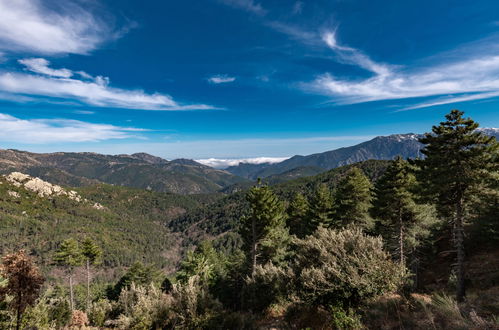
[458,163]
[69,255]
[298,215]
[266,220]
[353,199]
[403,221]
[321,209]
[92,255]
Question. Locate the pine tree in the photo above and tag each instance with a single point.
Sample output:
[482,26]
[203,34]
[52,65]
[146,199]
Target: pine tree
[403,221]
[24,283]
[457,164]
[266,219]
[92,254]
[353,199]
[70,256]
[298,216]
[321,209]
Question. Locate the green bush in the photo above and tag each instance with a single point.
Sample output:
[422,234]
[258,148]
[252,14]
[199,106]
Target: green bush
[343,268]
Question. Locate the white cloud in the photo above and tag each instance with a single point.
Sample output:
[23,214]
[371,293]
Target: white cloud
[353,56]
[454,99]
[224,163]
[30,25]
[478,76]
[84,112]
[294,32]
[221,79]
[247,5]
[95,92]
[39,131]
[41,65]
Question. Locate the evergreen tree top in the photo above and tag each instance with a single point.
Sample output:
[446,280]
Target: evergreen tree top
[458,157]
[91,251]
[69,254]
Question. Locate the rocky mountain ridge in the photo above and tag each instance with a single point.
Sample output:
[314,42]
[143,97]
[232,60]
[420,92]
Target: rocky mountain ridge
[380,148]
[138,170]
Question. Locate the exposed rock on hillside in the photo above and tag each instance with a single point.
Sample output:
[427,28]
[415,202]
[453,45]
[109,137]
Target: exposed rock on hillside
[42,188]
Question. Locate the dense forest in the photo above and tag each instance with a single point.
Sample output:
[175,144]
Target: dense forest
[380,244]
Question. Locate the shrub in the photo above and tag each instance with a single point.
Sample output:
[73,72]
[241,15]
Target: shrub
[79,319]
[268,285]
[192,305]
[343,268]
[99,312]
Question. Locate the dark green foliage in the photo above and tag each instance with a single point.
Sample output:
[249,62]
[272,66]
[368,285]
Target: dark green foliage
[344,319]
[320,210]
[298,215]
[138,274]
[69,254]
[224,214]
[263,230]
[458,163]
[205,262]
[166,285]
[91,252]
[353,197]
[402,222]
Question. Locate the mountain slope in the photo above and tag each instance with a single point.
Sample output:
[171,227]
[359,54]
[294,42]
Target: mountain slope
[381,147]
[129,224]
[137,170]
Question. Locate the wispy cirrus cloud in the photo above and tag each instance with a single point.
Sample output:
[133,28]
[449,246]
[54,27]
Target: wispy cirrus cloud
[221,79]
[39,131]
[465,79]
[31,26]
[89,90]
[247,5]
[41,65]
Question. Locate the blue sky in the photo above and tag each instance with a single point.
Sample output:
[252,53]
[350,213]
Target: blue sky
[235,79]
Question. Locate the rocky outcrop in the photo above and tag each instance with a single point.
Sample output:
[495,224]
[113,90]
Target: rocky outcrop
[43,188]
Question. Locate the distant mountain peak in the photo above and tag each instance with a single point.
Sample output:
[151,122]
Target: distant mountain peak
[148,158]
[185,161]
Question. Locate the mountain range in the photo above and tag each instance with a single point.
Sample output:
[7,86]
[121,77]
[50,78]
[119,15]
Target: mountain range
[139,170]
[185,176]
[381,147]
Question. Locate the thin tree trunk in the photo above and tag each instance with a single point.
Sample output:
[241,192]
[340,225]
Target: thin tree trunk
[88,285]
[71,291]
[460,287]
[19,316]
[401,239]
[253,247]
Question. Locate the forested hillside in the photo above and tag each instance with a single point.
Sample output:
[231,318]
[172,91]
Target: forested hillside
[379,244]
[129,224]
[137,170]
